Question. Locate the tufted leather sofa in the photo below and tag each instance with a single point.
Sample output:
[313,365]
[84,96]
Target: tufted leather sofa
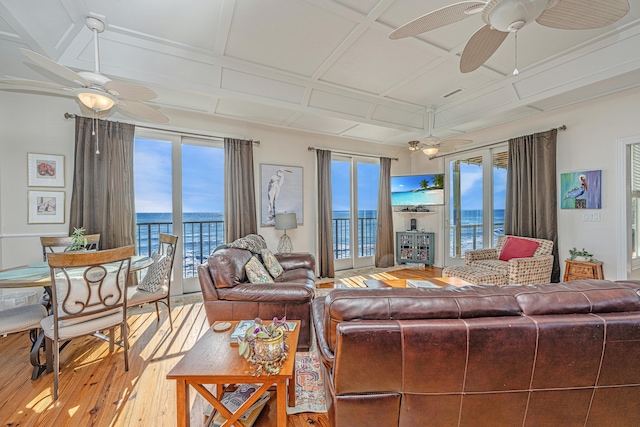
[519,355]
[228,295]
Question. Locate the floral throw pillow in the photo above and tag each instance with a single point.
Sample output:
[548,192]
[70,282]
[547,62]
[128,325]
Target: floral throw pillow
[251,242]
[256,271]
[272,264]
[154,278]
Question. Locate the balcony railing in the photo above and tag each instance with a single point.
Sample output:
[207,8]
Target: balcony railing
[199,238]
[470,236]
[367,234]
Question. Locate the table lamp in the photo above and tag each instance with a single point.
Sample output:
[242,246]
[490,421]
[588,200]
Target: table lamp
[285,221]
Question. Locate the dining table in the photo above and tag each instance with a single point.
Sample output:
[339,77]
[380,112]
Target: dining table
[38,275]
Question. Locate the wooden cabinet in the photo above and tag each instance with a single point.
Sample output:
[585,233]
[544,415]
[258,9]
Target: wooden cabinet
[412,246]
[580,270]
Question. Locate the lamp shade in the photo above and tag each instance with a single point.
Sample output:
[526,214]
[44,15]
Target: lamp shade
[286,221]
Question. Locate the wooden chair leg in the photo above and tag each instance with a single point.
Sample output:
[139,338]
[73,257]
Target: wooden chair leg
[56,368]
[169,311]
[125,340]
[112,332]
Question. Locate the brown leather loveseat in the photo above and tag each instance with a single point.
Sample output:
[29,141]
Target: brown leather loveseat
[228,295]
[530,355]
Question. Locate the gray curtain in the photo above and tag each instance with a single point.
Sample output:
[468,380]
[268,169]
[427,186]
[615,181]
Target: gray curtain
[384,242]
[325,221]
[531,201]
[102,199]
[239,190]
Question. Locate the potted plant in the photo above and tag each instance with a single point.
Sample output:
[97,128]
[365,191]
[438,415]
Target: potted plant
[582,255]
[264,346]
[79,240]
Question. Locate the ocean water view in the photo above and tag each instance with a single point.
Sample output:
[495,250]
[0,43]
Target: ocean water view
[204,231]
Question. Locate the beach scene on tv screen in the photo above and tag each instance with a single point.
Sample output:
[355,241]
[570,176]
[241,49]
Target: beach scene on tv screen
[414,190]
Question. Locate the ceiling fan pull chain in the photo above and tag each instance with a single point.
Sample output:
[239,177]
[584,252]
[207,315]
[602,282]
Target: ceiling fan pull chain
[95,126]
[515,70]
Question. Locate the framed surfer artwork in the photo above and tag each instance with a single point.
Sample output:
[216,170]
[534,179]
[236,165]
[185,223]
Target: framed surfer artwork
[581,190]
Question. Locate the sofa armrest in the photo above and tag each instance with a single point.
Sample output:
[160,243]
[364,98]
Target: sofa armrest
[268,292]
[317,312]
[532,270]
[480,254]
[297,260]
[209,292]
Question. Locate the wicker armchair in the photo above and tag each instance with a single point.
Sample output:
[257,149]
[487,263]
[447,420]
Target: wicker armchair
[533,270]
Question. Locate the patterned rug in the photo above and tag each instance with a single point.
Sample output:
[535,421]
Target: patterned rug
[310,395]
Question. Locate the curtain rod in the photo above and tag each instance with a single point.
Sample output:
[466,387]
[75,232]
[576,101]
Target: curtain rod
[353,153]
[197,135]
[559,128]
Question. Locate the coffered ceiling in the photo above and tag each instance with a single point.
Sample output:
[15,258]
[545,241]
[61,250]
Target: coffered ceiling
[320,65]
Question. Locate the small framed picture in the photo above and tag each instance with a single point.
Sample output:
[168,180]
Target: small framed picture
[45,170]
[46,207]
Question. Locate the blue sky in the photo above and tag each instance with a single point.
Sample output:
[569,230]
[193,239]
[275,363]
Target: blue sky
[202,177]
[471,187]
[368,182]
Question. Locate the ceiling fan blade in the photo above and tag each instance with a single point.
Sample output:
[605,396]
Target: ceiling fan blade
[455,142]
[583,14]
[142,111]
[482,44]
[55,68]
[128,90]
[33,83]
[438,18]
[446,150]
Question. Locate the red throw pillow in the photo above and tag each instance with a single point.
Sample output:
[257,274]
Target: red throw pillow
[518,248]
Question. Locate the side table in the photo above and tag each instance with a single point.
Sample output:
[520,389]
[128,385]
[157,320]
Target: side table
[580,270]
[213,360]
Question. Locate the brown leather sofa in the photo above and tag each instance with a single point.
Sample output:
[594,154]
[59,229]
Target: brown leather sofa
[519,355]
[228,295]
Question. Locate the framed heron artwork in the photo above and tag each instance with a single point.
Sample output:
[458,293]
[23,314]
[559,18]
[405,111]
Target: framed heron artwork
[581,190]
[280,192]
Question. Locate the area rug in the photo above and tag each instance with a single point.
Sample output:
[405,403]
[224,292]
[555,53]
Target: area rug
[310,395]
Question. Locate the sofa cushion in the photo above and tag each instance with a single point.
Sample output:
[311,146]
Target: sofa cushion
[579,296]
[226,266]
[501,267]
[256,271]
[518,248]
[298,275]
[271,263]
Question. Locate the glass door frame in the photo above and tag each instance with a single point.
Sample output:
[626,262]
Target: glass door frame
[487,199]
[355,261]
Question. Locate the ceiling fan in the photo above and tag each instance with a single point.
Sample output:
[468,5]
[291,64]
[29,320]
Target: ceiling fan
[94,90]
[502,17]
[432,145]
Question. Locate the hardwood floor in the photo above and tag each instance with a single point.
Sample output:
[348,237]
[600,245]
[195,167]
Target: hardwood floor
[94,388]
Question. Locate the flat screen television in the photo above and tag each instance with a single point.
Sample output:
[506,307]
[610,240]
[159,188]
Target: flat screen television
[417,190]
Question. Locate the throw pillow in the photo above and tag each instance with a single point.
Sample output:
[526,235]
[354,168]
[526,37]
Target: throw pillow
[271,262]
[518,248]
[154,278]
[254,243]
[256,271]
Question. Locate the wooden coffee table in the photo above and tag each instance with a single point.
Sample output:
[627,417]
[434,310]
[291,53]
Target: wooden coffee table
[442,282]
[213,360]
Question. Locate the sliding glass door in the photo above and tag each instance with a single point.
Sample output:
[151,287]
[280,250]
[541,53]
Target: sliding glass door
[179,187]
[355,182]
[475,199]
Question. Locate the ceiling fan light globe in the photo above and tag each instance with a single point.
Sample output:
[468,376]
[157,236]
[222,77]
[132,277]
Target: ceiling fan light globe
[96,101]
[430,151]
